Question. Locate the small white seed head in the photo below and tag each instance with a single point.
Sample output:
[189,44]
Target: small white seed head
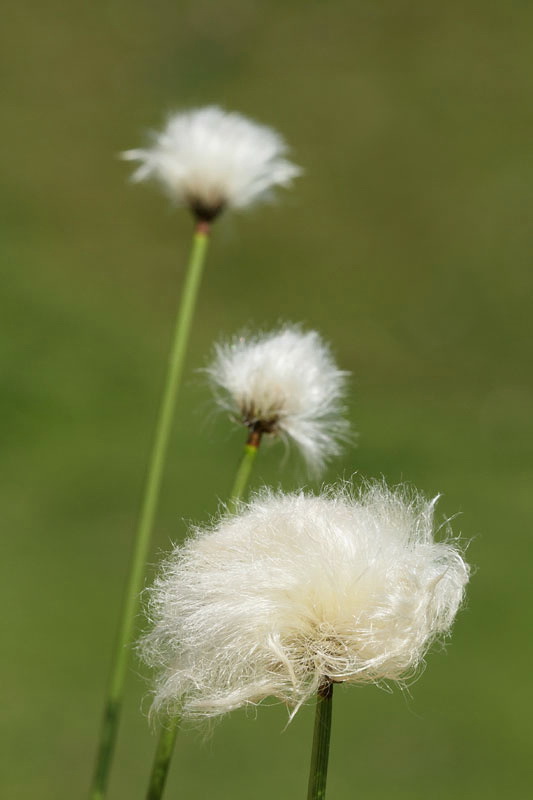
[208,159]
[284,383]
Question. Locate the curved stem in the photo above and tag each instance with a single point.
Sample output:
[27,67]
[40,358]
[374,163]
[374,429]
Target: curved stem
[152,488]
[319,756]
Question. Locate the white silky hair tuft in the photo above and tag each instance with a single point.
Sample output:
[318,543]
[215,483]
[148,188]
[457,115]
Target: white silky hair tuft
[284,382]
[209,159]
[296,589]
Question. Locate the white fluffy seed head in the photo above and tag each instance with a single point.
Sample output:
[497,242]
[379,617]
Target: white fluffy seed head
[284,383]
[209,159]
[296,589]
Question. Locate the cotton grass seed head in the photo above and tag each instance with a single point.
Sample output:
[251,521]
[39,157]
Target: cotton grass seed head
[295,590]
[209,159]
[284,383]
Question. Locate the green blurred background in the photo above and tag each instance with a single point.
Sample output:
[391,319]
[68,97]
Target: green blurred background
[406,244]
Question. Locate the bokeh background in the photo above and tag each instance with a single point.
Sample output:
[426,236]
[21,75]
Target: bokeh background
[406,244]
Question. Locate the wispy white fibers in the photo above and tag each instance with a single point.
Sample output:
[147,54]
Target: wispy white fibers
[286,383]
[210,159]
[295,589]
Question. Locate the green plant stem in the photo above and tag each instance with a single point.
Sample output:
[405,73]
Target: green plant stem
[243,474]
[319,757]
[152,488]
[167,736]
[163,754]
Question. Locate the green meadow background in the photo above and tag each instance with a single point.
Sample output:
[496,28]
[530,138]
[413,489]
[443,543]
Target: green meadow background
[407,244]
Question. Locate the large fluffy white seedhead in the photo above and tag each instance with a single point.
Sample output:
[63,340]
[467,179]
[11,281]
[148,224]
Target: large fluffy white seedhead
[210,159]
[285,383]
[296,589]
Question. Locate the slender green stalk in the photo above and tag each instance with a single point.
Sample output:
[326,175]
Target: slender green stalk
[319,757]
[163,754]
[167,736]
[243,473]
[112,710]
[245,467]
